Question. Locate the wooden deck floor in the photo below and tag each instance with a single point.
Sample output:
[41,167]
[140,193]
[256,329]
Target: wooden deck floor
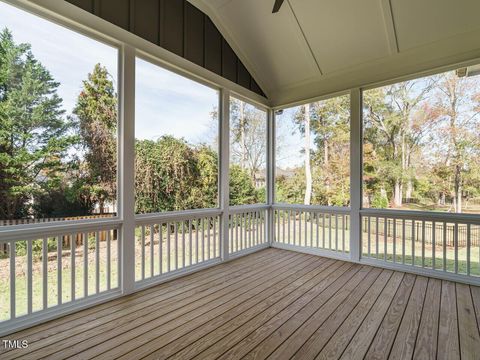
[273,304]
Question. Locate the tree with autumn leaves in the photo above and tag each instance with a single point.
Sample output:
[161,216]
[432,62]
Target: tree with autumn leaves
[421,145]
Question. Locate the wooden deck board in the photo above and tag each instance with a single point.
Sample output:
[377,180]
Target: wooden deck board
[323,334]
[468,331]
[448,347]
[233,319]
[247,320]
[315,316]
[385,336]
[426,344]
[165,318]
[273,304]
[342,337]
[404,344]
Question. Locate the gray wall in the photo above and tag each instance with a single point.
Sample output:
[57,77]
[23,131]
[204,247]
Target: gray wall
[179,27]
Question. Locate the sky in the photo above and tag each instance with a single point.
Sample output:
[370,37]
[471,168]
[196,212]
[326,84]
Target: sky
[290,143]
[166,103]
[68,55]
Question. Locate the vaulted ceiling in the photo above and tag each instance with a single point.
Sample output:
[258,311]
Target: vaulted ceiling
[314,47]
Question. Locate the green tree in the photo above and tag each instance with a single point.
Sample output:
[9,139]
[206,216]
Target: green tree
[324,177]
[331,154]
[248,138]
[34,136]
[242,191]
[166,171]
[96,114]
[457,113]
[206,192]
[396,123]
[291,189]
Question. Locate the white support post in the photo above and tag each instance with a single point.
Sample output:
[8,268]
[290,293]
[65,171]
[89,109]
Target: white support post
[270,175]
[224,187]
[126,166]
[355,172]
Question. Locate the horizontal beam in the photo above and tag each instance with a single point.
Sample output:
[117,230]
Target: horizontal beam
[312,208]
[155,218]
[248,251]
[160,279]
[24,322]
[437,274]
[41,230]
[422,215]
[313,251]
[239,209]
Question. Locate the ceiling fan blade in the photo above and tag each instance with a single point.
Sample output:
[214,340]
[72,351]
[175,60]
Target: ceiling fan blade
[277,5]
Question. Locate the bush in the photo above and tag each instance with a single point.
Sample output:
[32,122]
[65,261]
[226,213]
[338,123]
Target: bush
[379,202]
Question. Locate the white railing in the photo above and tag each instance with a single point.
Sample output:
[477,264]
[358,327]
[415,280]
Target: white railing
[47,269]
[171,243]
[50,269]
[247,228]
[325,230]
[446,245]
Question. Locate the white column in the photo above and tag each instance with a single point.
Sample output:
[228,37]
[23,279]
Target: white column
[224,186]
[270,175]
[126,166]
[355,172]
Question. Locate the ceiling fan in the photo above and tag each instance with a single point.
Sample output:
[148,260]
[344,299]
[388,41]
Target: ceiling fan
[277,5]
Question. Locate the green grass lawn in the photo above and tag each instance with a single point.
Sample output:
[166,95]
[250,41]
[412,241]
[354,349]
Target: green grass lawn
[308,235]
[331,238]
[388,254]
[52,277]
[181,255]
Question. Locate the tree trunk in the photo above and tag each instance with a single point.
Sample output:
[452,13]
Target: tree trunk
[408,161]
[101,205]
[308,169]
[325,152]
[243,159]
[441,200]
[397,193]
[458,189]
[409,191]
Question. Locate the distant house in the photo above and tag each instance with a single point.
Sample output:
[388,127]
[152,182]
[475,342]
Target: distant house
[260,176]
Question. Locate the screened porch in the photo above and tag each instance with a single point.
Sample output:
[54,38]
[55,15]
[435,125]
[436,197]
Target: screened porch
[180,182]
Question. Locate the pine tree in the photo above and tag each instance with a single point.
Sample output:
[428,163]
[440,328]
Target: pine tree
[33,132]
[96,111]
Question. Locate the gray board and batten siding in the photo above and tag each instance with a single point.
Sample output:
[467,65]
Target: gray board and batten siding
[179,27]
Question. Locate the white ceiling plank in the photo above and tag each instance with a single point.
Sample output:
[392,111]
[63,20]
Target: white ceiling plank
[343,33]
[305,38]
[440,56]
[274,42]
[390,26]
[259,37]
[420,22]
